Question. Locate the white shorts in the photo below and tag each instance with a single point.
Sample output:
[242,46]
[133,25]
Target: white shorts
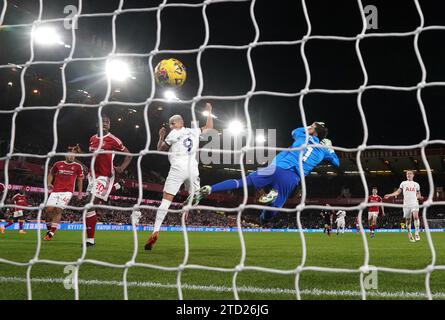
[100,187]
[59,199]
[372,214]
[408,210]
[340,223]
[177,177]
[18,214]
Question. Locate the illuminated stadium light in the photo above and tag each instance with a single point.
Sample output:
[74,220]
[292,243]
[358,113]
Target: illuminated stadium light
[35,91]
[47,36]
[10,84]
[235,127]
[137,126]
[119,119]
[260,138]
[170,95]
[118,70]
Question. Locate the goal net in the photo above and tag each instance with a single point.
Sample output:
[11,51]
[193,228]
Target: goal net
[74,13]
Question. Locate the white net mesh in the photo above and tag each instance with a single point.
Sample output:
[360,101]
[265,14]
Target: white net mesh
[240,267]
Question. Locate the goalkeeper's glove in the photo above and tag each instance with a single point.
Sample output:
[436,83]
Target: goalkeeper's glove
[326,142]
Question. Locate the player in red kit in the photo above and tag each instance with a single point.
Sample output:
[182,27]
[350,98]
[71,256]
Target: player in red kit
[62,179]
[101,185]
[373,212]
[20,200]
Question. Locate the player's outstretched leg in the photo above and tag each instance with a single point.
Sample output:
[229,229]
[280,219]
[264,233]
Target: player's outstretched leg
[160,216]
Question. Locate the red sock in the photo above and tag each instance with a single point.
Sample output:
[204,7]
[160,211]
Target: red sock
[54,228]
[91,224]
[21,225]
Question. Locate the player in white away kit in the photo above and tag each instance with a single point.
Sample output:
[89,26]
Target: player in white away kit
[411,196]
[341,215]
[182,144]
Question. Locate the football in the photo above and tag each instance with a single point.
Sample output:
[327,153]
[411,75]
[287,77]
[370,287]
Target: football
[171,73]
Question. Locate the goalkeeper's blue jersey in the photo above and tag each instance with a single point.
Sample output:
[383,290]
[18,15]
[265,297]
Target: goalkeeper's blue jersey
[312,156]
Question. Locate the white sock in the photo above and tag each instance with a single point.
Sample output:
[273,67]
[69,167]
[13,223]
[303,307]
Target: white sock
[161,213]
[417,225]
[408,227]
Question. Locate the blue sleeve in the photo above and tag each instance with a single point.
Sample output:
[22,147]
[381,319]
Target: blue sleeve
[331,156]
[298,133]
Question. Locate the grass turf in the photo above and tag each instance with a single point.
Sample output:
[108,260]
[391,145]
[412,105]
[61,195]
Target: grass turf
[271,250]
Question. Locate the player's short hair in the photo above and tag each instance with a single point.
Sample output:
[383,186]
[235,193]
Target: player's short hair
[322,130]
[410,171]
[176,117]
[374,187]
[74,149]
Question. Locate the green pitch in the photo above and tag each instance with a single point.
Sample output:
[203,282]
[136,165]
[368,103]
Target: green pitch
[271,250]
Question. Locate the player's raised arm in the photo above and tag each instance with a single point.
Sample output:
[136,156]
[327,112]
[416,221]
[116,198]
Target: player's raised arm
[209,123]
[162,145]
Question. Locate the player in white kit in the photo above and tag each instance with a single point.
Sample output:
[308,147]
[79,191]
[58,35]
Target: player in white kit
[341,215]
[182,144]
[411,196]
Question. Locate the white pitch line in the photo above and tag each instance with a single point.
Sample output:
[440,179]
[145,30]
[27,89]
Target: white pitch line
[313,292]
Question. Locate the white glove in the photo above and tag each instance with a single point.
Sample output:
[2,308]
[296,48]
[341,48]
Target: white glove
[326,142]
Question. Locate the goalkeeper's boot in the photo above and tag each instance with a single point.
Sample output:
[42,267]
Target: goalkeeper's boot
[410,237]
[199,195]
[22,232]
[417,236]
[269,198]
[151,242]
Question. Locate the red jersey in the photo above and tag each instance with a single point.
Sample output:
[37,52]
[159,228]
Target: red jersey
[20,200]
[103,166]
[65,176]
[373,199]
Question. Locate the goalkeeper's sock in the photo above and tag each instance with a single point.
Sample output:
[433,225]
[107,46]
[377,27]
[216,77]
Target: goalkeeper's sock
[91,221]
[230,185]
[161,213]
[54,227]
[417,225]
